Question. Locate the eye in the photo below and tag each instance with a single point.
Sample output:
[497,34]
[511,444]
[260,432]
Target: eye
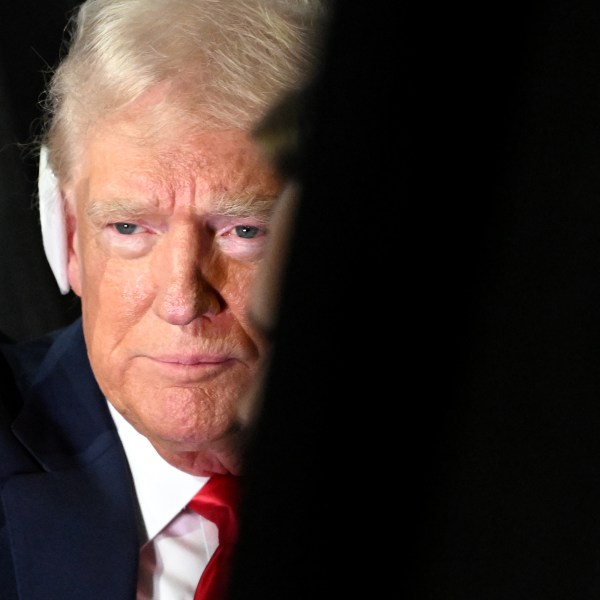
[247,231]
[125,228]
[240,238]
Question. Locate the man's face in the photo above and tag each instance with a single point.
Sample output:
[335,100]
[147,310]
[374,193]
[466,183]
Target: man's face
[164,244]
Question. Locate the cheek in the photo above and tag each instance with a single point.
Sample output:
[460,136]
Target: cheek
[114,289]
[123,286]
[106,275]
[238,284]
[237,292]
[114,300]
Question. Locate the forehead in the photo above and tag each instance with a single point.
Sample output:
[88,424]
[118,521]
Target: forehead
[122,157]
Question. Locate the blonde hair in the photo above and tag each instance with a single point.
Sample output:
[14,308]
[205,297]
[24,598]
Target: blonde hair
[225,61]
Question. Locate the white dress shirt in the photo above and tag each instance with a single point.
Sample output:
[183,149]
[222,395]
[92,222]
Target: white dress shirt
[179,541]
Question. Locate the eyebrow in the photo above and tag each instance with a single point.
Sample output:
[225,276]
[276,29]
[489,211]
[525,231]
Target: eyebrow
[244,205]
[104,211]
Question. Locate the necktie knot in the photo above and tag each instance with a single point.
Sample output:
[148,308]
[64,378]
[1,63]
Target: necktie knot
[218,501]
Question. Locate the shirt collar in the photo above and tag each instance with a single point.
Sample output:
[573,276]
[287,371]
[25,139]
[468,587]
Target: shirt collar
[153,476]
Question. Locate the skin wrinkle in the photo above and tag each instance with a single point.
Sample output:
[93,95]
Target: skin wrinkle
[179,287]
[242,197]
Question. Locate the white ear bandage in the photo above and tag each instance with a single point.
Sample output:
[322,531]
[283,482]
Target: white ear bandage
[53,222]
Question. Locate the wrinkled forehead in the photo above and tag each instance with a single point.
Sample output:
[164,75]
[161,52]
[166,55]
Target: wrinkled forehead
[213,170]
[156,147]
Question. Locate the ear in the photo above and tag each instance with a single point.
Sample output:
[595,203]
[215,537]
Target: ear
[53,221]
[73,258]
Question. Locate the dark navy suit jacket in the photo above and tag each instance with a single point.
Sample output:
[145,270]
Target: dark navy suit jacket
[69,525]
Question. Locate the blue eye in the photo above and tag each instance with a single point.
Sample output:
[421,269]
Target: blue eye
[125,228]
[246,231]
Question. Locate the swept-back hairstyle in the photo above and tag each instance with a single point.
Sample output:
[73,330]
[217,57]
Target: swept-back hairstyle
[225,61]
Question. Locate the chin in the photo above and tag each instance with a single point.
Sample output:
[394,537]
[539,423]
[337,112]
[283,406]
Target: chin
[206,465]
[222,455]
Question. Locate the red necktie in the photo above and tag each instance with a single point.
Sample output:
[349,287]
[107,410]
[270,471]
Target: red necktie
[218,501]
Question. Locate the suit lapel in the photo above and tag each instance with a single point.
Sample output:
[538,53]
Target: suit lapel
[72,525]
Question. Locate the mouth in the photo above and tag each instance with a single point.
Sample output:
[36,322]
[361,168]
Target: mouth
[190,359]
[190,367]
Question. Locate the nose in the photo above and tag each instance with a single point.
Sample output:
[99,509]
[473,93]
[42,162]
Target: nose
[183,293]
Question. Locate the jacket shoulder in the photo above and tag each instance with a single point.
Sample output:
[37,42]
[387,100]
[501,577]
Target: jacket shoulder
[22,361]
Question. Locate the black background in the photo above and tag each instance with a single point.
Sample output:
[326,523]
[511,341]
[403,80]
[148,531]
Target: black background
[30,43]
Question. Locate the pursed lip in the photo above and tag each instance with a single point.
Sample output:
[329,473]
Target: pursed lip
[188,368]
[191,359]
